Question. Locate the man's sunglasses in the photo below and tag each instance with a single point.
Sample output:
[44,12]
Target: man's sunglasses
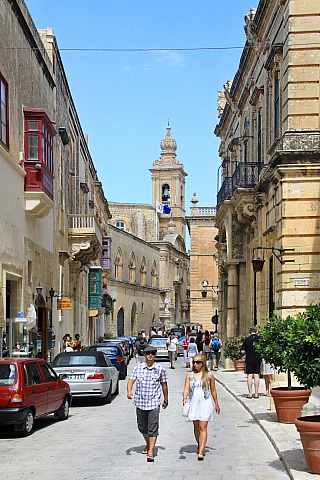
[196,362]
[151,353]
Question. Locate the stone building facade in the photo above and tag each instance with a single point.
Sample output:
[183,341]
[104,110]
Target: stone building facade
[133,283]
[204,288]
[270,162]
[166,232]
[54,213]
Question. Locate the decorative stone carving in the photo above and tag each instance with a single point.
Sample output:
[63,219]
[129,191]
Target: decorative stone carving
[167,302]
[237,238]
[249,27]
[75,248]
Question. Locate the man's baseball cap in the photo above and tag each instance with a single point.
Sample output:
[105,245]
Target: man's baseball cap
[150,349]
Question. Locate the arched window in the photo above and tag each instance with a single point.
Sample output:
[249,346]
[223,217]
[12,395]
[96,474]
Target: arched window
[154,275]
[118,264]
[165,193]
[132,268]
[143,272]
[120,224]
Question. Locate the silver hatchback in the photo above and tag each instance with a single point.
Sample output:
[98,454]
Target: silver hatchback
[89,374]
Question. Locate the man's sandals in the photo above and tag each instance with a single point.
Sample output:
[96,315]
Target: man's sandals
[145,451]
[150,459]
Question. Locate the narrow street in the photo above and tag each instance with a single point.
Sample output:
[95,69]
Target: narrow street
[102,442]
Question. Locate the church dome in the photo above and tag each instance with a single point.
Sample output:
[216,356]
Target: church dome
[168,144]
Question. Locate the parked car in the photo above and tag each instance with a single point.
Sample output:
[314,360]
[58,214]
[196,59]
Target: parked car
[89,374]
[29,389]
[128,343]
[116,355]
[124,346]
[160,344]
[179,332]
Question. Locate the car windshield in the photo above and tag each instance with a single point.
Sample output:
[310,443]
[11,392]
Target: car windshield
[8,374]
[158,341]
[181,339]
[107,350]
[66,360]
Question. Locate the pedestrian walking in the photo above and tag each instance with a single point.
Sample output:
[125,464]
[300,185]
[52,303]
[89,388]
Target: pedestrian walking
[151,379]
[253,361]
[199,391]
[192,351]
[216,345]
[267,371]
[139,347]
[206,340]
[199,341]
[173,349]
[185,343]
[68,344]
[77,343]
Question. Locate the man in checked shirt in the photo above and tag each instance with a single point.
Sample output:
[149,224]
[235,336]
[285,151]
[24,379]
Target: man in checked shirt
[151,378]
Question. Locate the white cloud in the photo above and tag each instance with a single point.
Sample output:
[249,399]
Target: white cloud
[171,59]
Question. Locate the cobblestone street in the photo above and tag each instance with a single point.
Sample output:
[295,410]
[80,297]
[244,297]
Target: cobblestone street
[102,442]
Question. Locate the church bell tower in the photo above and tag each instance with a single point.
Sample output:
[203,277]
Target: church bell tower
[168,187]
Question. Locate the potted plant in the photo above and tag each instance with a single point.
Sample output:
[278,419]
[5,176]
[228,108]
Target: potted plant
[232,350]
[305,336]
[278,344]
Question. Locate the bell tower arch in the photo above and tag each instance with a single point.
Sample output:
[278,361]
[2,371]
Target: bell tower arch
[168,186]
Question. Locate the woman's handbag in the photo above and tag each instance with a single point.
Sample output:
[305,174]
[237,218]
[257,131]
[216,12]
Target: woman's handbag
[186,409]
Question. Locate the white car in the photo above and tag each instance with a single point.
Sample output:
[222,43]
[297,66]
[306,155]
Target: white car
[89,374]
[160,344]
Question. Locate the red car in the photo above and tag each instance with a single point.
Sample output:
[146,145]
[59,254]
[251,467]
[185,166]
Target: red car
[29,389]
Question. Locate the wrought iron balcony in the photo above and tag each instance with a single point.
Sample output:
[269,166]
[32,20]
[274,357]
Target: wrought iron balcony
[246,175]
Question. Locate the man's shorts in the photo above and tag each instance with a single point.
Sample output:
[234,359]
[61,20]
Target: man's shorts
[252,368]
[172,356]
[215,355]
[148,421]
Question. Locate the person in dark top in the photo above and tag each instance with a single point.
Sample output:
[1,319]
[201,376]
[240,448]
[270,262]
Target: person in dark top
[253,361]
[199,341]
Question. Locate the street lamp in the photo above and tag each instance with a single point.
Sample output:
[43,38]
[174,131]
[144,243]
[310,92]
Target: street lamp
[38,290]
[205,285]
[257,264]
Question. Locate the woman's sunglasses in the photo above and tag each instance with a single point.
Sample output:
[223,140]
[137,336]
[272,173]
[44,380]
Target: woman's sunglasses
[196,362]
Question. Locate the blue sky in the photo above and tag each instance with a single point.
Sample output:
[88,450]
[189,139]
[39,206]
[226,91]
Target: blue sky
[124,99]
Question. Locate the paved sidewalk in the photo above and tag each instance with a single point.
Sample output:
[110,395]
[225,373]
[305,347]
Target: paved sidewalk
[284,437]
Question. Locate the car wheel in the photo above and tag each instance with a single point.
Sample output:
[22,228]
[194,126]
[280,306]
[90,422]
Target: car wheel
[63,412]
[116,392]
[28,424]
[107,398]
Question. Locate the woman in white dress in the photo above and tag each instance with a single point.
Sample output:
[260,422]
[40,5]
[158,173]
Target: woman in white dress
[199,391]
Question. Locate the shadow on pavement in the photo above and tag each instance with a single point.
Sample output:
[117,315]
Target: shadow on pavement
[192,449]
[294,458]
[79,402]
[140,448]
[270,417]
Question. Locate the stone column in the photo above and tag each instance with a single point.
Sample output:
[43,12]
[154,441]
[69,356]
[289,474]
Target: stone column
[233,311]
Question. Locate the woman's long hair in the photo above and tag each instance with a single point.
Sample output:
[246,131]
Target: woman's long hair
[205,372]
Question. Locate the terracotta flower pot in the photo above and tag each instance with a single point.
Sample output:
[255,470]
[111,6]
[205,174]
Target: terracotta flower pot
[309,429]
[239,365]
[289,403]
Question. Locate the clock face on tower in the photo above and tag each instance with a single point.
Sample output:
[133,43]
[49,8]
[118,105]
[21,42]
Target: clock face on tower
[205,283]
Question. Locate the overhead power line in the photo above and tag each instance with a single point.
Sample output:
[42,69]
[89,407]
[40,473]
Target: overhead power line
[188,49]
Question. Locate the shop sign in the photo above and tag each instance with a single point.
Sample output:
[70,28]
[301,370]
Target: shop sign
[64,304]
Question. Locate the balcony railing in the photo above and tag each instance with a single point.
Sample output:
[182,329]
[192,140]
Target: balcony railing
[246,175]
[207,210]
[84,225]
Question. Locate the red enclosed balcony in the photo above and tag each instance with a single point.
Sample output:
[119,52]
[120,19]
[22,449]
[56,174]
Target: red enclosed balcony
[38,161]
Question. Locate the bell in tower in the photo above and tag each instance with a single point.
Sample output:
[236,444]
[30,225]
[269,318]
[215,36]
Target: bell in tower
[165,193]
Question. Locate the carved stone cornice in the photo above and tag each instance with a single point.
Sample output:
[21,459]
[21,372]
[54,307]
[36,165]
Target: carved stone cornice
[245,207]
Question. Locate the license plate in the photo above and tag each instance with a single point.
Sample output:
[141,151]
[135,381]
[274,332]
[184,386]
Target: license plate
[77,376]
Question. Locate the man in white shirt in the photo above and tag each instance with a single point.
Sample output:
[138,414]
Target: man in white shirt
[173,349]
